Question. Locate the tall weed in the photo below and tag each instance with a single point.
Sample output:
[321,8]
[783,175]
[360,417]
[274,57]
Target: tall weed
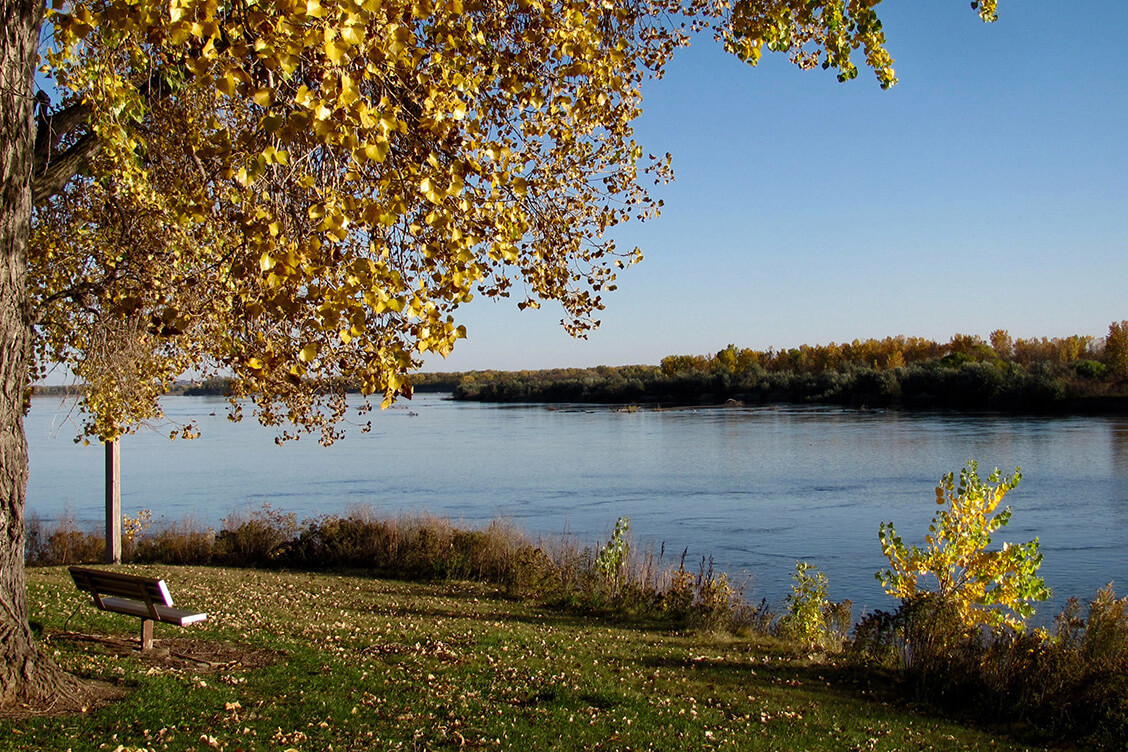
[613,579]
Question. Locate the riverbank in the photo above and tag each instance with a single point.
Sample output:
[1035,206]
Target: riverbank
[294,660]
[1065,682]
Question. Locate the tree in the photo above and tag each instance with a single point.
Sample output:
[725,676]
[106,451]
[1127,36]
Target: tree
[1116,349]
[303,192]
[983,586]
[1002,344]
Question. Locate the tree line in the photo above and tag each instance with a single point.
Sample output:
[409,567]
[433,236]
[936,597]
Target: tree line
[1078,372]
[1075,373]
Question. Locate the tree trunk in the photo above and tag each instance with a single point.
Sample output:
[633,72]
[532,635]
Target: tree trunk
[26,675]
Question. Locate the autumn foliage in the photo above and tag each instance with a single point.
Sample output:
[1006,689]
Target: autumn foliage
[984,585]
[1002,373]
[301,193]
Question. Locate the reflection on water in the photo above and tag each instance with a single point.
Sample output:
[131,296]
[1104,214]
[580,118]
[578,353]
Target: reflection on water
[754,488]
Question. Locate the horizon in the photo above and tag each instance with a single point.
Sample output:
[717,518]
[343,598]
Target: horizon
[53,380]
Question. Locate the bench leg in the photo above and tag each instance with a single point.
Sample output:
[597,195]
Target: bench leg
[146,634]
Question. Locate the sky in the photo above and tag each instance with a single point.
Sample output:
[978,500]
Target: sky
[987,190]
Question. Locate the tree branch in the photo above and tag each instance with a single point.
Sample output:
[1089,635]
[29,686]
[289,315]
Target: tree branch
[53,128]
[51,178]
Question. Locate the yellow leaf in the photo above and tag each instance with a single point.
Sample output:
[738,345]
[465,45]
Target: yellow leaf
[226,85]
[308,353]
[335,51]
[353,34]
[377,151]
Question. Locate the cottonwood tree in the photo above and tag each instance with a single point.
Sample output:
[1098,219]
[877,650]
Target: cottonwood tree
[303,192]
[1116,349]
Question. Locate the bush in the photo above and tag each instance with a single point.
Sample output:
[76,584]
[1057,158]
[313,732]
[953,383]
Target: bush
[812,619]
[64,544]
[986,587]
[255,539]
[344,542]
[926,639]
[1070,682]
[1090,369]
[179,543]
[613,580]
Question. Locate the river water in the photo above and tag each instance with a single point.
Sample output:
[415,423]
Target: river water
[753,488]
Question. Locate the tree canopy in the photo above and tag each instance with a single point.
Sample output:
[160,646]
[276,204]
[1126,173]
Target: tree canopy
[300,192]
[304,191]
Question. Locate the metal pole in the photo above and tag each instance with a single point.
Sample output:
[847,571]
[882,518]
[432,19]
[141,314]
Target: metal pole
[113,502]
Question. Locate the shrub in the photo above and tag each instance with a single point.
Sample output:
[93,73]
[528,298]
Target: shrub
[256,538]
[1070,682]
[926,638]
[707,600]
[613,580]
[344,542]
[180,543]
[613,556]
[715,600]
[1089,369]
[986,587]
[65,544]
[812,619]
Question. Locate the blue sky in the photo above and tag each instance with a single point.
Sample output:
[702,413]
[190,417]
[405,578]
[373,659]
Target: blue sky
[988,189]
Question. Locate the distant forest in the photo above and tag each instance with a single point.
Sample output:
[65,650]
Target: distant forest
[1070,374]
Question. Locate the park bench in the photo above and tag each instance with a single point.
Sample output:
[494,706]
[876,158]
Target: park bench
[144,597]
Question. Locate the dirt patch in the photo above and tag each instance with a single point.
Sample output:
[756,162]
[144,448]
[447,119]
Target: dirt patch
[186,655]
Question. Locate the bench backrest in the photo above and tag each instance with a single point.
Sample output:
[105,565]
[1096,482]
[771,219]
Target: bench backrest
[98,582]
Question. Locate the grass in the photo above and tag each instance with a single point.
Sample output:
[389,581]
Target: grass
[370,664]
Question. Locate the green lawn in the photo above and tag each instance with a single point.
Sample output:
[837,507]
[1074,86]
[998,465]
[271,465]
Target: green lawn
[366,664]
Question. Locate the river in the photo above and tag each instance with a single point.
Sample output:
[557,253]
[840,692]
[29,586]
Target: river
[753,488]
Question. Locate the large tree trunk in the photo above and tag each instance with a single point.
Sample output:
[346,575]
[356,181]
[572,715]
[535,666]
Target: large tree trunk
[26,676]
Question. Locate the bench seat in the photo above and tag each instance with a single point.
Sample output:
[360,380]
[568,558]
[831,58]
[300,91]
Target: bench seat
[167,614]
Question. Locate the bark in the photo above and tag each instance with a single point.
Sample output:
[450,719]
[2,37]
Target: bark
[26,675]
[55,175]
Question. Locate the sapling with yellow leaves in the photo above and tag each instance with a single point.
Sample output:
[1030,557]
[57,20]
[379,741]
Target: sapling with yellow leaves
[986,587]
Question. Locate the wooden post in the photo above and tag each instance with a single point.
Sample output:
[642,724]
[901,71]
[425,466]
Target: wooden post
[113,502]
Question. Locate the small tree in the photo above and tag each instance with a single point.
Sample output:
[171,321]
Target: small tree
[612,558]
[812,619]
[986,587]
[1003,344]
[1116,349]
